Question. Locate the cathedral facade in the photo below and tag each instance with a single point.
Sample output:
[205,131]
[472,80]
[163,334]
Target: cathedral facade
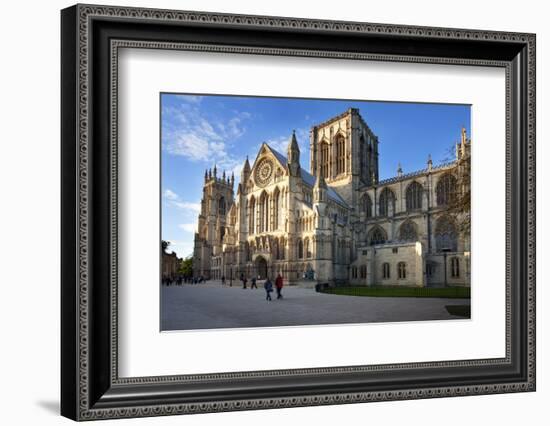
[337,223]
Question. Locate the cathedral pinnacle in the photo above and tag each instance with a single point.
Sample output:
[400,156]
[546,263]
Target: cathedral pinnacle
[399,169]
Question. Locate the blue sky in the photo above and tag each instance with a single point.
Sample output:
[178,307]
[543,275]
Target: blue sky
[199,132]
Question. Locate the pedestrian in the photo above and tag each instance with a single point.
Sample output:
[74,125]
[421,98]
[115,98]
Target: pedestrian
[223,279]
[268,289]
[253,283]
[243,278]
[279,286]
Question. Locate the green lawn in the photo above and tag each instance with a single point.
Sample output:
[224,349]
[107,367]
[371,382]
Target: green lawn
[459,310]
[384,291]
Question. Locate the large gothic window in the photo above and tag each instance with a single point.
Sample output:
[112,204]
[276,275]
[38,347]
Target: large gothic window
[264,212]
[248,256]
[307,248]
[324,159]
[300,249]
[446,190]
[282,248]
[376,236]
[275,202]
[251,215]
[366,205]
[407,231]
[414,196]
[275,248]
[340,155]
[445,234]
[387,200]
[221,206]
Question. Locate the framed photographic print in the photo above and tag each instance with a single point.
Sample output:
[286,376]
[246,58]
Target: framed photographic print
[263,212]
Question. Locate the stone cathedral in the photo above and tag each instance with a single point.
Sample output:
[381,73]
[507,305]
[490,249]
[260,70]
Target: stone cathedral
[337,223]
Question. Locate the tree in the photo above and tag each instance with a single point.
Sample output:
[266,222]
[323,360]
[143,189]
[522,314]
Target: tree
[186,266]
[460,201]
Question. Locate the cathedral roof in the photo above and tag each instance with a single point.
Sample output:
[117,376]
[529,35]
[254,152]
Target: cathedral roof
[309,179]
[415,173]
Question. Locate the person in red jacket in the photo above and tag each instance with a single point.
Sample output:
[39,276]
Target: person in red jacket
[279,286]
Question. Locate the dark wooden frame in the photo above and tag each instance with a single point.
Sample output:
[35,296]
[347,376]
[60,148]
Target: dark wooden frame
[90,386]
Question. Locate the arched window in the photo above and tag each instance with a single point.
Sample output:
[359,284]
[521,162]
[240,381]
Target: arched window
[402,270]
[446,189]
[376,236]
[414,196]
[282,248]
[264,212]
[221,206]
[407,231]
[366,205]
[387,199]
[445,234]
[455,267]
[275,203]
[251,215]
[307,248]
[385,270]
[300,249]
[276,252]
[247,251]
[363,271]
[324,159]
[340,154]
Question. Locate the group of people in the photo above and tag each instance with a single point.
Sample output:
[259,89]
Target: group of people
[268,285]
[179,280]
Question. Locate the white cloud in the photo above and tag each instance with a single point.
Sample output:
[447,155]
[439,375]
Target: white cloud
[170,195]
[184,205]
[188,227]
[189,133]
[281,143]
[181,248]
[192,99]
[174,199]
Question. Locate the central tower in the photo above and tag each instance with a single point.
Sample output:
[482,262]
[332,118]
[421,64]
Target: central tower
[344,150]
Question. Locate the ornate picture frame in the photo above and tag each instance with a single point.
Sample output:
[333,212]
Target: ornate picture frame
[91,37]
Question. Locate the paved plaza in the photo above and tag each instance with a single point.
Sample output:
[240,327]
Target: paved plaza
[211,305]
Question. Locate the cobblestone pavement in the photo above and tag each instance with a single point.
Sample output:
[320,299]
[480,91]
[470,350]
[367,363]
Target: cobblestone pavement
[211,305]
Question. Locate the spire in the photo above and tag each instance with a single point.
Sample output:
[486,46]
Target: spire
[223,175]
[246,166]
[245,173]
[215,170]
[293,155]
[293,147]
[429,162]
[210,174]
[320,181]
[232,181]
[399,169]
[205,175]
[320,188]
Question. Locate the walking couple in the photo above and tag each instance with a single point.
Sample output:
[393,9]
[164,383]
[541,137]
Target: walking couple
[268,286]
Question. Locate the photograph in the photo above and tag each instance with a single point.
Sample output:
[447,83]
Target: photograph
[306,212]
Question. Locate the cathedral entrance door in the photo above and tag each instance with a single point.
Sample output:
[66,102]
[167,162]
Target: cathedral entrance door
[261,267]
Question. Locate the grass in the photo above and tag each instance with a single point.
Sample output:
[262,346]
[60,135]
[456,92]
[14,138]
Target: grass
[385,291]
[459,310]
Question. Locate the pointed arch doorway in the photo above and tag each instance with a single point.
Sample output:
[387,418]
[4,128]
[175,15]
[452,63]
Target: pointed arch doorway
[261,267]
